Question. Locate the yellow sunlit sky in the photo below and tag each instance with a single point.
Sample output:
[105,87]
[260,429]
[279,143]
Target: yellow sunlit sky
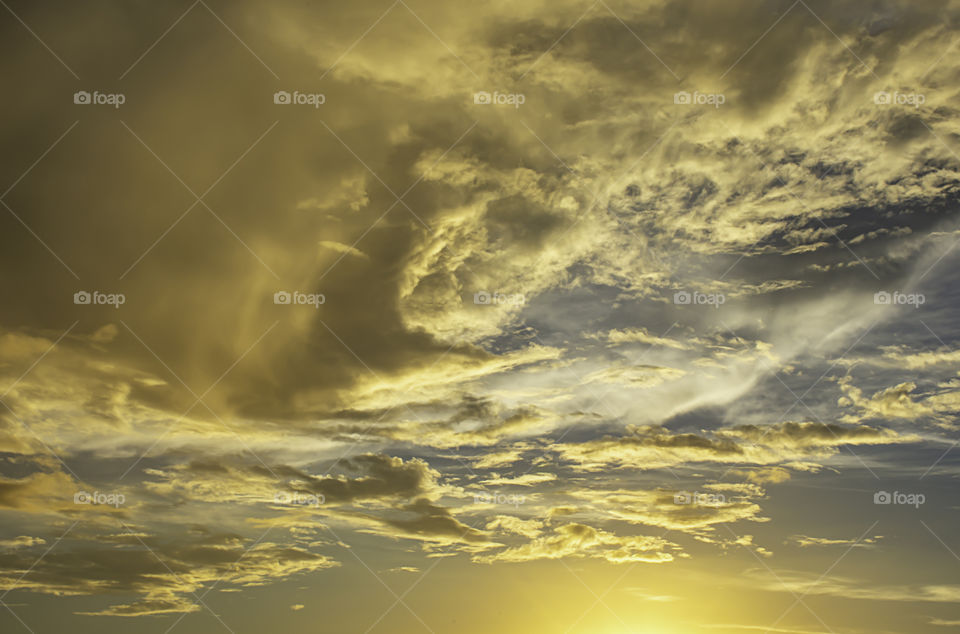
[409,316]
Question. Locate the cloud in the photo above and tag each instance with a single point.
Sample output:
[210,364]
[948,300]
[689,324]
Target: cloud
[517,526]
[582,213]
[375,477]
[660,508]
[432,524]
[23,541]
[802,583]
[525,480]
[40,492]
[162,575]
[804,541]
[648,448]
[901,357]
[654,447]
[813,435]
[346,249]
[902,401]
[764,475]
[503,458]
[580,540]
[635,376]
[644,595]
[641,335]
[475,422]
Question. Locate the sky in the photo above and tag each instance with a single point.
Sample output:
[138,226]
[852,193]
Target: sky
[415,316]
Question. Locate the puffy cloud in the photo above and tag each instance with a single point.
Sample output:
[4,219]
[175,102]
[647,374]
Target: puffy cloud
[515,525]
[375,477]
[672,509]
[899,356]
[903,401]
